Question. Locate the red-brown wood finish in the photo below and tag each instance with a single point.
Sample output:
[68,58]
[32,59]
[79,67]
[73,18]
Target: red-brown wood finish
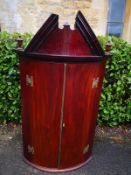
[64,42]
[41,111]
[80,111]
[61,73]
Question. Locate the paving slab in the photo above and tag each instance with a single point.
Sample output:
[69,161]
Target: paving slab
[111,156]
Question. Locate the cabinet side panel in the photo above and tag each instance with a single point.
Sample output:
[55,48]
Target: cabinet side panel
[41,108]
[82,95]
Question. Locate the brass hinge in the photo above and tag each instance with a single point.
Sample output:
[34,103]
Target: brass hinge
[95,82]
[31,149]
[29,80]
[85,150]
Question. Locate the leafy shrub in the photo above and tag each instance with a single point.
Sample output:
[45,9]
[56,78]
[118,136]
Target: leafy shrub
[9,77]
[115,104]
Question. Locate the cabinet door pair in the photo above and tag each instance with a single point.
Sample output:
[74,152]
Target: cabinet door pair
[59,109]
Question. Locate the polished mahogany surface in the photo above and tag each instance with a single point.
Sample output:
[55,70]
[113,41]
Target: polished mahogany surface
[65,42]
[41,111]
[61,73]
[80,111]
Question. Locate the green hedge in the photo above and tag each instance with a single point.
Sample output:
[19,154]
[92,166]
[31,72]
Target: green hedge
[115,105]
[9,77]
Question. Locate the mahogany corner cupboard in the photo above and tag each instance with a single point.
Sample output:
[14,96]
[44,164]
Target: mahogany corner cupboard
[61,74]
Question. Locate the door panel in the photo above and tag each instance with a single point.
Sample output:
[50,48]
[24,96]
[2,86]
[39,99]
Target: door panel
[80,111]
[41,108]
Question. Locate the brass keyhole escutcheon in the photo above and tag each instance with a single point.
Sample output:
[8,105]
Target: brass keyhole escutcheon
[63,125]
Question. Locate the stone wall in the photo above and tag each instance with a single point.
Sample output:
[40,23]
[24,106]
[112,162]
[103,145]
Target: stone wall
[29,15]
[127,22]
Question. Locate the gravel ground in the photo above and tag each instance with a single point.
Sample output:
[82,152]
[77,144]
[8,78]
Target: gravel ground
[111,153]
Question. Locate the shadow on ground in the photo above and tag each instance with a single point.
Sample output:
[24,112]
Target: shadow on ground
[111,154]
